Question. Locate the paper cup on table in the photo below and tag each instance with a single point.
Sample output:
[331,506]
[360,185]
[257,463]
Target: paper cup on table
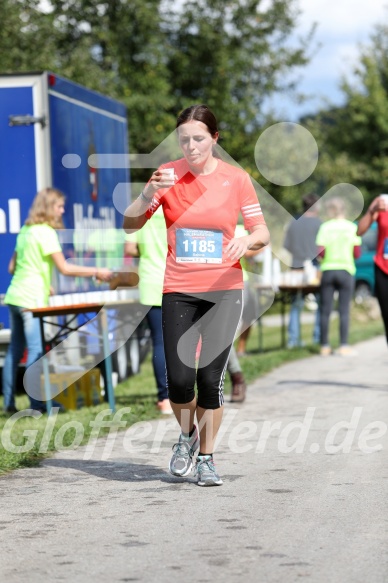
[106,296]
[91,297]
[57,300]
[82,298]
[114,296]
[67,299]
[74,299]
[98,298]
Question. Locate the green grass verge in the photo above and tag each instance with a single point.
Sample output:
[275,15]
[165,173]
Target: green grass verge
[139,394]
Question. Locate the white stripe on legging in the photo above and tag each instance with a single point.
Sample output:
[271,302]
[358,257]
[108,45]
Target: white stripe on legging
[221,399]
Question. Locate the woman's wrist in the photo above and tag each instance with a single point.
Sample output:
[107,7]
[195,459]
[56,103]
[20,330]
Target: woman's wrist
[254,244]
[145,198]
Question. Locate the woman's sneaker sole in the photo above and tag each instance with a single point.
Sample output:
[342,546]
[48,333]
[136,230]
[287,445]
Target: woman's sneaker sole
[210,483]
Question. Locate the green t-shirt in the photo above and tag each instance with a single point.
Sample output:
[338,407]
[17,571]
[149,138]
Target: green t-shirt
[338,237]
[30,284]
[107,245]
[152,244]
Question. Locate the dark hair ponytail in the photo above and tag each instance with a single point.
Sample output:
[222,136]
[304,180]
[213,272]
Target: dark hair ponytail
[199,113]
[205,115]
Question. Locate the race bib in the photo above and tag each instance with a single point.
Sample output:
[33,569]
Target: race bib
[385,251]
[198,246]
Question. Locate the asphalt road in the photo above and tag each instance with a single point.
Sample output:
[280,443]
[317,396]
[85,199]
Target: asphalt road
[305,468]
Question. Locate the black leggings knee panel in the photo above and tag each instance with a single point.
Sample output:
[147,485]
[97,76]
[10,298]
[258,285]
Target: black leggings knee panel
[213,317]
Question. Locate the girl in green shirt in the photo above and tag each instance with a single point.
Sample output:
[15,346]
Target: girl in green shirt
[37,251]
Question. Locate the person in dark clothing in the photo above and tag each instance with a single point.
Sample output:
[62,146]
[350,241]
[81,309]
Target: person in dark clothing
[339,246]
[300,242]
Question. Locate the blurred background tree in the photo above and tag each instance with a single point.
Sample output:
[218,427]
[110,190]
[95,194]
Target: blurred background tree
[159,57]
[353,139]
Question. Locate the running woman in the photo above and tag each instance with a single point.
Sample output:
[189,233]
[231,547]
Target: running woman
[202,197]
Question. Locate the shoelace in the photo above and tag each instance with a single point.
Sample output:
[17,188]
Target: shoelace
[182,448]
[209,463]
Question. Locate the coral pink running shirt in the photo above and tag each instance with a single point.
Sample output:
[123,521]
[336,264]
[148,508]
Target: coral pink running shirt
[201,214]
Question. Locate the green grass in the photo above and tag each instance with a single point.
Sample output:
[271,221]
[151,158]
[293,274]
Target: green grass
[139,392]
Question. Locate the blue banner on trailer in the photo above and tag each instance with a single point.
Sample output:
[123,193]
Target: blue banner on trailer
[49,126]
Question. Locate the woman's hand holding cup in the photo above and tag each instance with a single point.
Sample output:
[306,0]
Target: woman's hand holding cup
[163,178]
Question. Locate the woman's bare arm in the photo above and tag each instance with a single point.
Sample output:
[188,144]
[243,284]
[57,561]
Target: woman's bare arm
[12,264]
[135,214]
[371,215]
[256,240]
[79,270]
[131,249]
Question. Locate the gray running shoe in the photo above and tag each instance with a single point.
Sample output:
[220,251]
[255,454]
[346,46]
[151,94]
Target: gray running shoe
[182,458]
[206,472]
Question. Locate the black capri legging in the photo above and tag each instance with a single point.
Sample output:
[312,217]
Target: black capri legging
[213,316]
[381,290]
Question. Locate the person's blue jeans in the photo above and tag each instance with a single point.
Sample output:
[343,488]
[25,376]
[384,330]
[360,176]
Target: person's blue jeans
[317,323]
[294,338]
[154,318]
[25,333]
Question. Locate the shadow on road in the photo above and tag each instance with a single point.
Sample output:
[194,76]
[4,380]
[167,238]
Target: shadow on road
[122,471]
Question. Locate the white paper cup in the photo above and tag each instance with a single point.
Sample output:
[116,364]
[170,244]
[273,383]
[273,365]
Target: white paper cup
[114,296]
[98,299]
[107,295]
[75,299]
[57,300]
[170,173]
[81,298]
[66,299]
[90,297]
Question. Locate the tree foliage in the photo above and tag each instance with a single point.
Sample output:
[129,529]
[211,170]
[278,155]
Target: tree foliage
[157,57]
[353,139]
